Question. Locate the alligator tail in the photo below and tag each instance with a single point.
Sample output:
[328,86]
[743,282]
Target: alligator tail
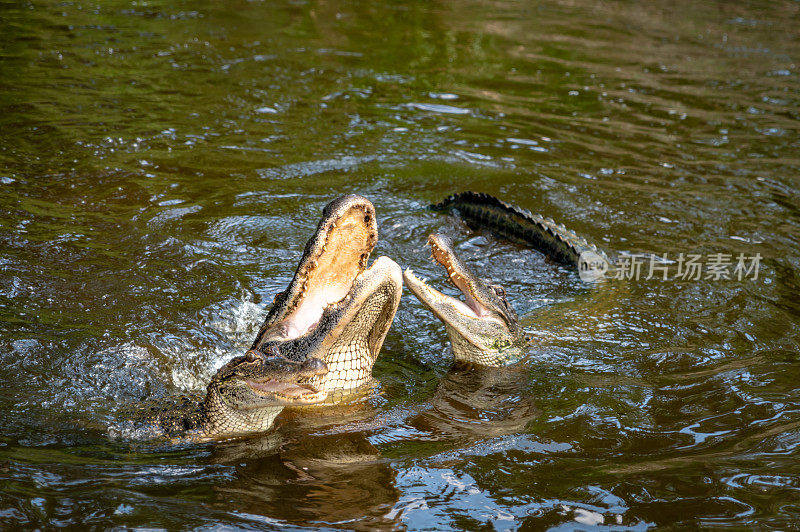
[519,225]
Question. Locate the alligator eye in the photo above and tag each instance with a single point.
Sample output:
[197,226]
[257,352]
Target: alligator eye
[250,356]
[529,338]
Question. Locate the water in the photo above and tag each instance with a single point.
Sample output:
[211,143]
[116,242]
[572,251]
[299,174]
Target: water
[163,163]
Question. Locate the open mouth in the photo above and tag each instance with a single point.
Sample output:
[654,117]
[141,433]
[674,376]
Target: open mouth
[457,273]
[290,393]
[334,259]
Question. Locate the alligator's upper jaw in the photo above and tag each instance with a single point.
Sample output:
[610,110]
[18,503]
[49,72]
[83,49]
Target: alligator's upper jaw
[454,312]
[458,274]
[334,257]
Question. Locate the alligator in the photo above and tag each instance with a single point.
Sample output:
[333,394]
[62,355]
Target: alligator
[484,329]
[321,336]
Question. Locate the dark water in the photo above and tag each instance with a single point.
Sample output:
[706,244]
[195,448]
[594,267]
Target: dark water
[163,163]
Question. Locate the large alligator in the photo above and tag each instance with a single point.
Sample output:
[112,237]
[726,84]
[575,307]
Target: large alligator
[485,329]
[322,334]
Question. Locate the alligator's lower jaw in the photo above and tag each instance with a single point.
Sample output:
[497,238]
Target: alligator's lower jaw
[287,393]
[362,319]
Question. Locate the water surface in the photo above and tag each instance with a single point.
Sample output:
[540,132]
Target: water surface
[162,165]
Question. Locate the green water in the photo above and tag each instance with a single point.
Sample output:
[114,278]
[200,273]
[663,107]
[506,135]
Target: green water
[162,165]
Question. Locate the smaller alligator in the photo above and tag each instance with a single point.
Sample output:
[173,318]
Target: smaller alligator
[244,396]
[485,329]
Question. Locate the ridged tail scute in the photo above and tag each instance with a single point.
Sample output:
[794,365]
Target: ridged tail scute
[481,210]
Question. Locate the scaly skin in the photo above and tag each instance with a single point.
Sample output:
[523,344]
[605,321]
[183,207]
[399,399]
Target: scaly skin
[485,330]
[519,225]
[244,396]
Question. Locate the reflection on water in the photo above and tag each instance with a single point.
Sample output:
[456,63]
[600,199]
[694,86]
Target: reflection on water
[162,165]
[475,403]
[334,479]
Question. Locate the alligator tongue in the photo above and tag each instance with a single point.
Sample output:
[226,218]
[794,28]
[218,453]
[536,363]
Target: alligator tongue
[476,307]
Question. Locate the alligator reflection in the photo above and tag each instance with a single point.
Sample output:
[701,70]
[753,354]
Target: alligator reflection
[330,463]
[333,478]
[473,402]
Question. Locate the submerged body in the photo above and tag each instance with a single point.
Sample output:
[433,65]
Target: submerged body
[484,329]
[518,225]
